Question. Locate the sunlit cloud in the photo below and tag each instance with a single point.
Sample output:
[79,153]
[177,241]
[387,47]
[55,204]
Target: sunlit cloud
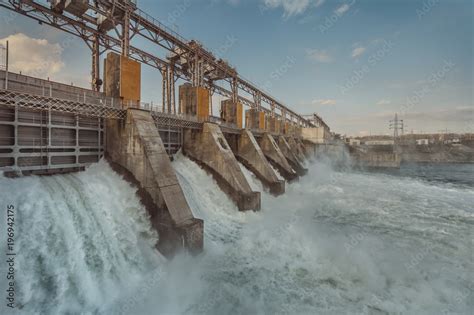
[32,56]
[383,102]
[324,102]
[358,51]
[293,7]
[342,9]
[319,55]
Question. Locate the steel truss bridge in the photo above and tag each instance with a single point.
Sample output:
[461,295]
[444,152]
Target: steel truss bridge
[11,98]
[111,25]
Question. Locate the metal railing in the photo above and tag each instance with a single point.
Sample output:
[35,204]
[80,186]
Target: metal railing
[31,85]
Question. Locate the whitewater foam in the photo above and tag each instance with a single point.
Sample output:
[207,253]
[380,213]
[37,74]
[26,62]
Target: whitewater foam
[334,243]
[79,239]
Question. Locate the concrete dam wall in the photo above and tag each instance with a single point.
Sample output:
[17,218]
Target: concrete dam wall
[375,157]
[136,146]
[390,156]
[443,153]
[48,128]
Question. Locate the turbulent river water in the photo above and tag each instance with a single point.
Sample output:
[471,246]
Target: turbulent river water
[338,242]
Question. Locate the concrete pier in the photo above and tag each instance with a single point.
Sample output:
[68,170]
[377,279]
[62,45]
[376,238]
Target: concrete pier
[310,148]
[273,153]
[136,146]
[297,151]
[307,152]
[231,113]
[292,159]
[254,119]
[210,148]
[194,101]
[251,155]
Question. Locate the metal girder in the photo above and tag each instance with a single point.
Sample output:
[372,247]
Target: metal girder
[317,121]
[171,120]
[199,64]
[12,98]
[82,27]
[159,31]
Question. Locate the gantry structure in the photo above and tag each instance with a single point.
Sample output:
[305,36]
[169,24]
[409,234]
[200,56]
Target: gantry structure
[113,25]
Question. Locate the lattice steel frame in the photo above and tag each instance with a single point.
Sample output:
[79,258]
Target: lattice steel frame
[12,98]
[200,66]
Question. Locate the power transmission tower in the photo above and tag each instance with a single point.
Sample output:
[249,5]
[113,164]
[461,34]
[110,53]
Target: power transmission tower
[398,127]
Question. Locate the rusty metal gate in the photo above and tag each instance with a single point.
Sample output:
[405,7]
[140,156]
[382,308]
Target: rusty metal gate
[42,141]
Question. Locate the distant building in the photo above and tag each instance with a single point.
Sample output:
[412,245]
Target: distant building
[317,135]
[422,142]
[352,141]
[379,142]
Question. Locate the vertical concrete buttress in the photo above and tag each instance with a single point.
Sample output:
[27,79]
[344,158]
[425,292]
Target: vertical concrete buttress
[210,148]
[275,156]
[251,155]
[310,148]
[306,150]
[292,159]
[296,149]
[137,147]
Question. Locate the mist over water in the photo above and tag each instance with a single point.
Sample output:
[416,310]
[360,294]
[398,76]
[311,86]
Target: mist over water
[80,239]
[337,242]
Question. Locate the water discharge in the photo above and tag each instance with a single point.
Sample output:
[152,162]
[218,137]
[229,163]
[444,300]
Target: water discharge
[335,243]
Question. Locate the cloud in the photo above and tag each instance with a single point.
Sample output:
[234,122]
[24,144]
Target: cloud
[358,51]
[328,102]
[319,55]
[342,9]
[292,7]
[319,3]
[383,102]
[34,57]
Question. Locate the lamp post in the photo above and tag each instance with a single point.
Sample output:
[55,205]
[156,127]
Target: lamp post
[6,69]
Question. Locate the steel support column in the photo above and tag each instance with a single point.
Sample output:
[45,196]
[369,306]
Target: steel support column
[126,33]
[96,81]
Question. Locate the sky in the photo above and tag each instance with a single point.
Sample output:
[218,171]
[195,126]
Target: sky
[354,62]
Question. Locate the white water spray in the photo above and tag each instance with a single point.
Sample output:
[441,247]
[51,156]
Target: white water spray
[334,243]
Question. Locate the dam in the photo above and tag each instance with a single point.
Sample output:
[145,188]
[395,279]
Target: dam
[50,128]
[163,181]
